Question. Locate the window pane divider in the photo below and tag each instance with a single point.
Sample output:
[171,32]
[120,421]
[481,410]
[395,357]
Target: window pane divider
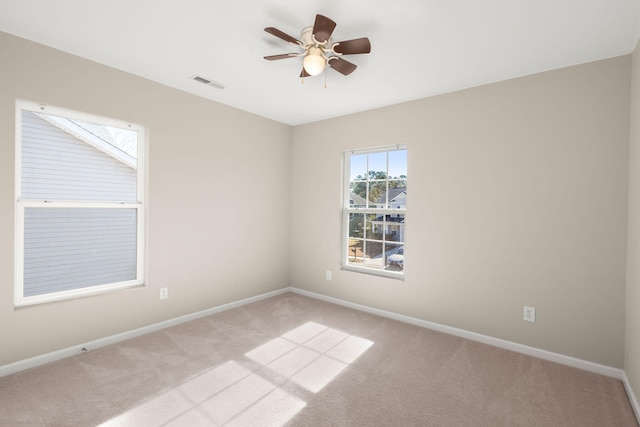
[377,210]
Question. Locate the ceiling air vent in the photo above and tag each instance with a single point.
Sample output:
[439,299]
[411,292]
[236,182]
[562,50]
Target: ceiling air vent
[207,81]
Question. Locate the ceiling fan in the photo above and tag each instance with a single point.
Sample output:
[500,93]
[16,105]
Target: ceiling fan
[317,49]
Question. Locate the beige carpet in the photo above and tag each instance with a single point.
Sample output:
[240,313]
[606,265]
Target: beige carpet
[292,360]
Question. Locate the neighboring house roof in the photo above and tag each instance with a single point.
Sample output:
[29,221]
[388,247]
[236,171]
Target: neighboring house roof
[94,135]
[357,200]
[393,194]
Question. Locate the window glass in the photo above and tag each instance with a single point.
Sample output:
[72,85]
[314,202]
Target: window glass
[377,163]
[359,167]
[398,164]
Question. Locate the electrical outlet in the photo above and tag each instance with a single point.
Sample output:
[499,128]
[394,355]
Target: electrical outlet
[529,314]
[164,293]
[328,275]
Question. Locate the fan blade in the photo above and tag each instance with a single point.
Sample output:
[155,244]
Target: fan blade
[352,47]
[323,28]
[282,56]
[341,66]
[304,73]
[286,37]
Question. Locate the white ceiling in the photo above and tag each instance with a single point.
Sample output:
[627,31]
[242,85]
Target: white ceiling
[420,48]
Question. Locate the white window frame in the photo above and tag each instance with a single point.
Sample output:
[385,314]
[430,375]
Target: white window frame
[21,204]
[347,210]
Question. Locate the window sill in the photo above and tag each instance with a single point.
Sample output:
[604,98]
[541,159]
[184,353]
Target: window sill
[75,293]
[398,275]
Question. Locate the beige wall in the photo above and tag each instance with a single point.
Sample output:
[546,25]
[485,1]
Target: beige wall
[632,341]
[218,226]
[517,195]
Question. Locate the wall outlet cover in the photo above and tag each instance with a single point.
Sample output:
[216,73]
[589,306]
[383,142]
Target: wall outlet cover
[529,314]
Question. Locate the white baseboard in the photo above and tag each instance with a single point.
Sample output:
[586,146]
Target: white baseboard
[508,345]
[496,342]
[631,395]
[102,342]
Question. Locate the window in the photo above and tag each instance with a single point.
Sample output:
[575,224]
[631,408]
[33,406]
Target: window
[79,204]
[375,204]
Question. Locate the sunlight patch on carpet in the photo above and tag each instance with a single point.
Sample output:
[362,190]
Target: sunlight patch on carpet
[229,394]
[311,355]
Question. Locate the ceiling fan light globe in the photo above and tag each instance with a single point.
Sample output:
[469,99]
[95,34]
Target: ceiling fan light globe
[313,64]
